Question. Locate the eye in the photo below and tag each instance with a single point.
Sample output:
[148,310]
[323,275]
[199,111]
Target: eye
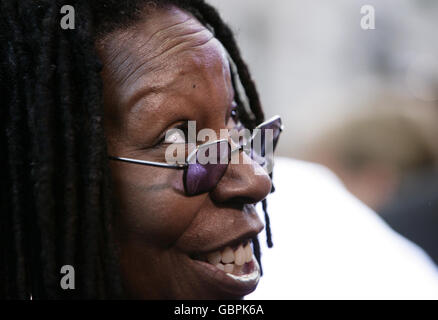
[176,135]
[234,114]
[233,121]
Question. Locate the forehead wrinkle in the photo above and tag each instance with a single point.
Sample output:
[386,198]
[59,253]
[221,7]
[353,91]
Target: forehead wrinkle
[137,59]
[149,71]
[129,40]
[155,64]
[162,34]
[117,47]
[150,55]
[196,63]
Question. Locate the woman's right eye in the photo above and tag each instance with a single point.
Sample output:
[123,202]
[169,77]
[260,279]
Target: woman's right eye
[175,135]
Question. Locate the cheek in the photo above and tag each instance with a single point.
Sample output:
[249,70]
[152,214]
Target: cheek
[151,204]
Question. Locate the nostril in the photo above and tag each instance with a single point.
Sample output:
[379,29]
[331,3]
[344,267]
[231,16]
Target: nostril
[247,200]
[240,201]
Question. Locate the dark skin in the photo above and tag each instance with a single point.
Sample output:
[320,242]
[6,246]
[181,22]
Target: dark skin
[163,71]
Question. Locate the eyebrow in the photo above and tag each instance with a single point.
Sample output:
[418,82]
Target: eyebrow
[141,94]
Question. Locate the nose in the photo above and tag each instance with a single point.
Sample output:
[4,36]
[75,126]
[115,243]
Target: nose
[244,182]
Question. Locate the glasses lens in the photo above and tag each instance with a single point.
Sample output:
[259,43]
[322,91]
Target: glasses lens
[209,165]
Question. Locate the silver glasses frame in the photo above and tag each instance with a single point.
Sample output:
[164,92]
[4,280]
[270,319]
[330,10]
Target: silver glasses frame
[168,165]
[193,153]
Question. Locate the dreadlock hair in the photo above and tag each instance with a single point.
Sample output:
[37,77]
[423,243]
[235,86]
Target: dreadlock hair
[55,183]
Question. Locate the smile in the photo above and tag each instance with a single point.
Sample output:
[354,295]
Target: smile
[233,268]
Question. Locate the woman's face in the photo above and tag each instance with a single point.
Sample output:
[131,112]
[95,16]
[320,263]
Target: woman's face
[158,74]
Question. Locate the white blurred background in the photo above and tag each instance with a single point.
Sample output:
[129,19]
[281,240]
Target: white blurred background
[361,102]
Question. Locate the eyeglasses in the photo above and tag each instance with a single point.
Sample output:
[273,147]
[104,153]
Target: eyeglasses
[200,177]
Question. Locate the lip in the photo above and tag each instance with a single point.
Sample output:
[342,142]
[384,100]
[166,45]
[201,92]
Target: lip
[232,241]
[219,281]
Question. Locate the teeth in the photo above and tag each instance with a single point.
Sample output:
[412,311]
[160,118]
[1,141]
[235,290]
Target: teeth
[229,268]
[237,269]
[239,256]
[253,276]
[214,257]
[229,260]
[227,255]
[248,253]
[220,266]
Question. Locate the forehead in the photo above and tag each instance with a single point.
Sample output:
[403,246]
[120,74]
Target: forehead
[167,49]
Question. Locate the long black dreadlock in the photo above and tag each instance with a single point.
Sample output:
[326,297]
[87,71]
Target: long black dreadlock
[55,186]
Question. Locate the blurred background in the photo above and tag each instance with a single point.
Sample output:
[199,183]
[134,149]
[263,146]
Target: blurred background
[362,102]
